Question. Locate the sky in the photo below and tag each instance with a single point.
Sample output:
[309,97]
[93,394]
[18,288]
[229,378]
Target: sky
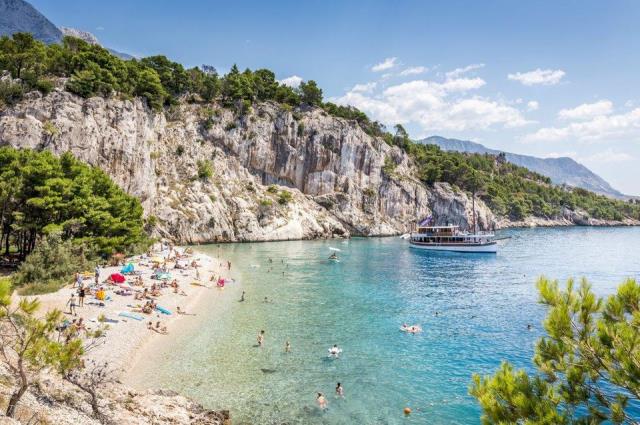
[545,78]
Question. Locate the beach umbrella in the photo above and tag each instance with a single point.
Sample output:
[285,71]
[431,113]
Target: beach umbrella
[117,278]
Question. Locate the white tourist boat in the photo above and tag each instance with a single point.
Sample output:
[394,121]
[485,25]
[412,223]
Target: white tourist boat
[451,238]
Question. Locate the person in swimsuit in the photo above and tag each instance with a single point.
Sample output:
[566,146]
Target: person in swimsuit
[81,294]
[287,347]
[260,338]
[322,401]
[339,390]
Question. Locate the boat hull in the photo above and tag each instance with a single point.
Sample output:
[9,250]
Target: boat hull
[487,248]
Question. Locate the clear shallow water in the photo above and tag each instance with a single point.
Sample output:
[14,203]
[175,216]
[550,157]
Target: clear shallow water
[484,302]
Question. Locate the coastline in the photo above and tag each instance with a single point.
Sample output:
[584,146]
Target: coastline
[125,339]
[124,345]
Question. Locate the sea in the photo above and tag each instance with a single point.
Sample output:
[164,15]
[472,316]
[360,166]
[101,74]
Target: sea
[474,310]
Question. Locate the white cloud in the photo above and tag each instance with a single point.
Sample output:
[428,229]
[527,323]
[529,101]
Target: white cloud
[608,156]
[435,105]
[414,70]
[533,105]
[587,111]
[459,71]
[546,77]
[624,126]
[388,63]
[364,88]
[570,154]
[293,81]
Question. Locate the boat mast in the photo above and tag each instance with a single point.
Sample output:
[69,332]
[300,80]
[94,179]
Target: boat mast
[474,212]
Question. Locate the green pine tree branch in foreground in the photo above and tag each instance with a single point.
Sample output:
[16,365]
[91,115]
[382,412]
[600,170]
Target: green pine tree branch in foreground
[588,365]
[31,343]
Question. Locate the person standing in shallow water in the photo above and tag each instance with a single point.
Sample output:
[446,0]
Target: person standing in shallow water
[287,347]
[339,390]
[261,339]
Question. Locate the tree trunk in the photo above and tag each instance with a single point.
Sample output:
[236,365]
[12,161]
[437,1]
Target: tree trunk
[15,398]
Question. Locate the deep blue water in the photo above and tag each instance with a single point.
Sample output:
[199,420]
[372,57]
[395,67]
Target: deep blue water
[484,303]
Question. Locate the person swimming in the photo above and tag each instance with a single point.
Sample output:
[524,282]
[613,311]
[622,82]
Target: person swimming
[333,256]
[322,401]
[339,390]
[335,351]
[287,347]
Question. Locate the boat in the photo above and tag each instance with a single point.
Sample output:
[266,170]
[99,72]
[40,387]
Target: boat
[451,238]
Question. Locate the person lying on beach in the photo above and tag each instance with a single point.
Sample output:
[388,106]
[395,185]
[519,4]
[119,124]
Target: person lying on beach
[184,313]
[322,401]
[161,329]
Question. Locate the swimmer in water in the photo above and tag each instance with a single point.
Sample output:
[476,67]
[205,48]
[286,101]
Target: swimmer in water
[529,326]
[339,390]
[334,351]
[260,338]
[287,347]
[322,401]
[333,256]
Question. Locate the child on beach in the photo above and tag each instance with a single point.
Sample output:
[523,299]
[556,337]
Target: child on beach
[72,304]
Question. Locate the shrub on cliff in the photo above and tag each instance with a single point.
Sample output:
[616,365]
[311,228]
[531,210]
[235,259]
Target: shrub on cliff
[41,194]
[51,265]
[588,365]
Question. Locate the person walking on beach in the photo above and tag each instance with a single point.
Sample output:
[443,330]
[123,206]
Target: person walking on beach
[287,347]
[339,390]
[81,294]
[72,304]
[260,338]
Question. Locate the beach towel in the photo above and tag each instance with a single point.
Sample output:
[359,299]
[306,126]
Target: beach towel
[127,269]
[117,278]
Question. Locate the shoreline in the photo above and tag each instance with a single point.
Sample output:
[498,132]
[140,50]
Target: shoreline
[125,341]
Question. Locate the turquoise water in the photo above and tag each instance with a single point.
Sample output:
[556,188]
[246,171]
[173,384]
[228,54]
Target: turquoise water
[484,303]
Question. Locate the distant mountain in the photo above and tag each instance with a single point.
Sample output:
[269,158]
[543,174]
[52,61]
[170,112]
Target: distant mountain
[561,170]
[20,16]
[91,39]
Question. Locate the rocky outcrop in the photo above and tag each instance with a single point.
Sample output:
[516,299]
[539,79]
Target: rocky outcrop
[332,171]
[52,400]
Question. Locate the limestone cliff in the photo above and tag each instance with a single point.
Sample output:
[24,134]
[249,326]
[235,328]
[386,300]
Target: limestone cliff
[334,171]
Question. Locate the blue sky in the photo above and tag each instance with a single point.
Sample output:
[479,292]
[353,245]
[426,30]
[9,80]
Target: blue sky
[538,77]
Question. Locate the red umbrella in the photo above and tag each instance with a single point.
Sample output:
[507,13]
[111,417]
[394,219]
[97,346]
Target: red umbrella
[117,278]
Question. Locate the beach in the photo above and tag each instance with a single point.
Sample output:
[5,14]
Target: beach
[126,337]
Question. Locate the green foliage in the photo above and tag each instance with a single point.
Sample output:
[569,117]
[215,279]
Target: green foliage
[310,93]
[51,265]
[42,194]
[284,197]
[30,343]
[266,202]
[10,93]
[588,364]
[272,188]
[389,166]
[230,126]
[300,130]
[180,150]
[205,169]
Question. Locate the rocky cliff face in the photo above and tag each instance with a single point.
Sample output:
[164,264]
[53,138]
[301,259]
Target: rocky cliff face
[332,169]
